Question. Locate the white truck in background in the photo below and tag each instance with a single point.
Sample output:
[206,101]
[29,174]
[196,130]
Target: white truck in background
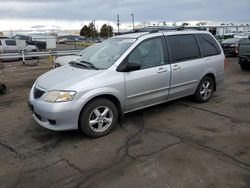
[8,45]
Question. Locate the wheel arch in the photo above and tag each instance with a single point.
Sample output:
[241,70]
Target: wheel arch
[212,76]
[110,97]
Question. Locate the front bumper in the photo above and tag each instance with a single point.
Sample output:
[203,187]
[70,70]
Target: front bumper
[55,116]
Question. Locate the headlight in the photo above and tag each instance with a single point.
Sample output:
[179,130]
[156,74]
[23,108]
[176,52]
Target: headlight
[59,96]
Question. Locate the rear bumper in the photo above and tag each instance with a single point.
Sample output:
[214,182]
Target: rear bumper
[220,78]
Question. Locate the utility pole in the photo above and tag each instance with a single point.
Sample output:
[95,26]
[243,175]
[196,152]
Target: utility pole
[118,23]
[133,21]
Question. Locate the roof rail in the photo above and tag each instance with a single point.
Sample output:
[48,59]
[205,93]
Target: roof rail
[154,29]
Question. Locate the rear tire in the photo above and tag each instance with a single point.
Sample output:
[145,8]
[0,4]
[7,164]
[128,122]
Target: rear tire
[98,118]
[204,90]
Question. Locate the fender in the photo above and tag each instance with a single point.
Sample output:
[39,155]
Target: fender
[88,96]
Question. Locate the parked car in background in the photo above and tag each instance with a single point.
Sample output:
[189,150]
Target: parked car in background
[231,46]
[63,60]
[69,38]
[126,73]
[244,54]
[40,45]
[11,46]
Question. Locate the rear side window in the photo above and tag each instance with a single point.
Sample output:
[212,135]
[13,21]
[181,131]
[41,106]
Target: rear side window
[0,43]
[183,47]
[208,45]
[10,42]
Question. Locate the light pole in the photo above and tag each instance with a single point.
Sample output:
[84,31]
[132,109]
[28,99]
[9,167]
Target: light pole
[118,23]
[133,21]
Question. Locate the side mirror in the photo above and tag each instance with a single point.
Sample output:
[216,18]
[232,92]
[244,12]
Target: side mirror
[132,67]
[126,66]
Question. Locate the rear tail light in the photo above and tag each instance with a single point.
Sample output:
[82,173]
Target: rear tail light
[225,63]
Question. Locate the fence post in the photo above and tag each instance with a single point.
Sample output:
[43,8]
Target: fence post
[23,57]
[1,62]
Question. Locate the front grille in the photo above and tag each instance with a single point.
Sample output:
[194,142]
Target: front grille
[38,93]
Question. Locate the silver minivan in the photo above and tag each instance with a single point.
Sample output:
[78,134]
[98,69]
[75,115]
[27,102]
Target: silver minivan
[126,73]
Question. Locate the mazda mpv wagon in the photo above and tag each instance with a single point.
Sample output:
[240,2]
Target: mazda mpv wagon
[126,73]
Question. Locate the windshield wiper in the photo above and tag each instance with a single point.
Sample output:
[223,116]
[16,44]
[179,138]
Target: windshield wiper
[90,65]
[74,63]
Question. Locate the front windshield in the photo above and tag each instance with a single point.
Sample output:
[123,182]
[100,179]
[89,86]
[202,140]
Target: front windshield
[89,48]
[106,53]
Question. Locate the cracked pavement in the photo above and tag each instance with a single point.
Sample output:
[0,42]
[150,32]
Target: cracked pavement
[176,144]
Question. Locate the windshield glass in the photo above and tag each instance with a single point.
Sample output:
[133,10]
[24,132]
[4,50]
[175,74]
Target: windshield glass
[89,48]
[106,53]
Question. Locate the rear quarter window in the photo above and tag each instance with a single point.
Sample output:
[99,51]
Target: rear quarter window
[209,46]
[183,47]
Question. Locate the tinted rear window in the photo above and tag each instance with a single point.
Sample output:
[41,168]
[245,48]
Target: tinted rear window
[183,47]
[10,42]
[208,45]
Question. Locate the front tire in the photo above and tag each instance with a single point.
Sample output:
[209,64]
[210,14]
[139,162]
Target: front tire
[204,90]
[98,118]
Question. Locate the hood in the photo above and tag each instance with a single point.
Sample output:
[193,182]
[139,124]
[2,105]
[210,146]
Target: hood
[66,59]
[63,78]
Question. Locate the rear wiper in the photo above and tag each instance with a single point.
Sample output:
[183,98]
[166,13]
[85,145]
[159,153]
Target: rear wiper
[90,65]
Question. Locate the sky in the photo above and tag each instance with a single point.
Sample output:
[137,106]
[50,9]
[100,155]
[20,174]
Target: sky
[72,14]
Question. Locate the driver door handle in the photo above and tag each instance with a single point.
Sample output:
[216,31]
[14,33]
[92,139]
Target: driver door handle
[176,67]
[161,70]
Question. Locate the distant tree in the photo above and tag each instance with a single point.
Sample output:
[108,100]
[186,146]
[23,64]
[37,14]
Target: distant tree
[92,30]
[85,31]
[89,31]
[106,31]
